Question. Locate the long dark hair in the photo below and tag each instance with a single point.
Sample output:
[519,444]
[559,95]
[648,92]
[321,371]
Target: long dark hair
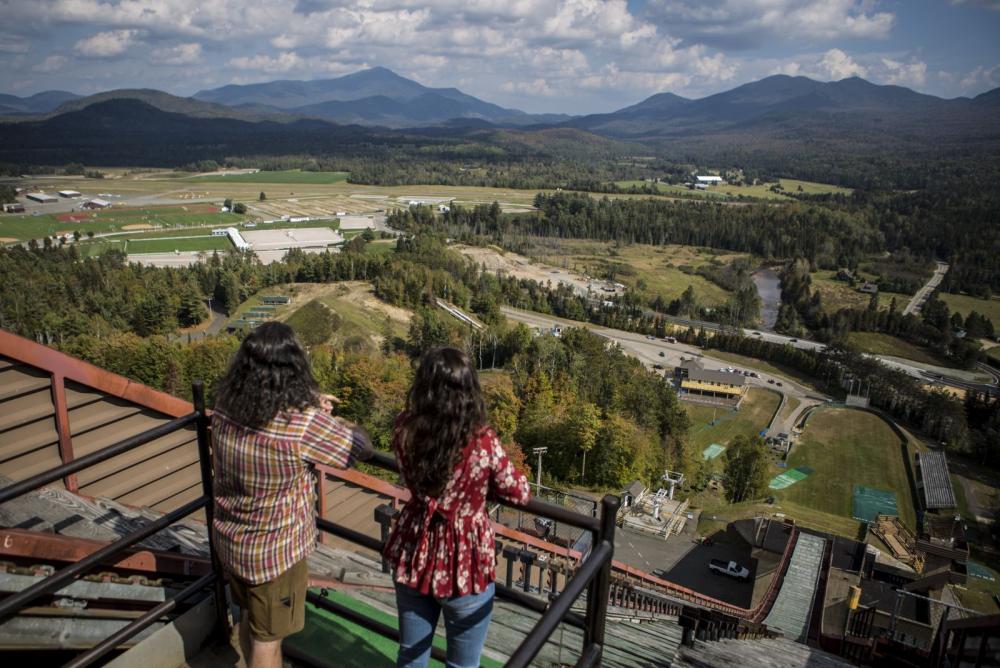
[269,374]
[444,409]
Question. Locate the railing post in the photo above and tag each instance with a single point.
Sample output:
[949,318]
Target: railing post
[383,515]
[208,490]
[597,592]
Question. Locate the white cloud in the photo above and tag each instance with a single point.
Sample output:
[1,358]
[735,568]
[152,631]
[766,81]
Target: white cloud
[912,74]
[283,62]
[750,23]
[182,54]
[53,63]
[980,80]
[106,44]
[987,4]
[838,65]
[535,87]
[13,43]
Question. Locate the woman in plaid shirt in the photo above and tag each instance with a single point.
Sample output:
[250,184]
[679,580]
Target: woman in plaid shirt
[269,427]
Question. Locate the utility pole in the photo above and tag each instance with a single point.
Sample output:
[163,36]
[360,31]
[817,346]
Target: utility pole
[539,452]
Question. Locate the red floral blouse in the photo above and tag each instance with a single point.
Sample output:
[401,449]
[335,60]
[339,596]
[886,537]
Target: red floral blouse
[444,546]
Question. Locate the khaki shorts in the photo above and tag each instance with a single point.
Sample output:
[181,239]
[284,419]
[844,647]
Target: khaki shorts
[276,608]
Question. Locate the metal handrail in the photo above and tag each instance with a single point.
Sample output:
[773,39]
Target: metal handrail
[594,575]
[131,443]
[12,604]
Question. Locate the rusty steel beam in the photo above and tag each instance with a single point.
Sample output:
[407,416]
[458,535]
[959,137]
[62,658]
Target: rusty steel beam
[42,357]
[62,428]
[48,547]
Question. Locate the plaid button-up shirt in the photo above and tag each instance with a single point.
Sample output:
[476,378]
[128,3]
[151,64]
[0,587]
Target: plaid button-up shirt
[265,498]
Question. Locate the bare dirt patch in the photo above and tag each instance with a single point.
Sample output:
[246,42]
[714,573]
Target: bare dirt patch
[521,267]
[363,294]
[7,240]
[138,226]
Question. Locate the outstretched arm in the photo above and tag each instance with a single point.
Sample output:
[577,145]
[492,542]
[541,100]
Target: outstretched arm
[333,441]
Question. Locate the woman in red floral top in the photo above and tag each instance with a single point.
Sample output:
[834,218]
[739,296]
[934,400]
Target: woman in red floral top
[441,549]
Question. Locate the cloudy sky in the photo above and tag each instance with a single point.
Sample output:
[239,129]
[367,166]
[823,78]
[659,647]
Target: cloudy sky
[538,55]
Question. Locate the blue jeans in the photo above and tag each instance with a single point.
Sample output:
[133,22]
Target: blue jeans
[466,621]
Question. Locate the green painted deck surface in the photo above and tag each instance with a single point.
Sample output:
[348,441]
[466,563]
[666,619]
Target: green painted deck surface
[340,642]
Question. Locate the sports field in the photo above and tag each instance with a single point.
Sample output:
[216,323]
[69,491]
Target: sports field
[283,177]
[202,243]
[847,447]
[720,425]
[115,219]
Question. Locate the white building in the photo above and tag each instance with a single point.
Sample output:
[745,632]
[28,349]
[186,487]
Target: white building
[443,208]
[237,238]
[41,198]
[709,180]
[96,203]
[69,194]
[220,232]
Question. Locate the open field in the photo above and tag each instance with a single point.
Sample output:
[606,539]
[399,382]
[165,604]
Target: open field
[965,304]
[837,295]
[295,176]
[848,447]
[761,191]
[653,270]
[115,219]
[884,344]
[753,416]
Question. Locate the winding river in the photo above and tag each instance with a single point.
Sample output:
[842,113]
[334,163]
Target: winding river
[769,289]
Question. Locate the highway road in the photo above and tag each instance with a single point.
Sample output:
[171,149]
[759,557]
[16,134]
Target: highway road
[648,348]
[925,292]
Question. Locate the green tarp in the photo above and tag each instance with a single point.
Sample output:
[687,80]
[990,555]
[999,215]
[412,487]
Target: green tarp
[869,502]
[789,478]
[712,451]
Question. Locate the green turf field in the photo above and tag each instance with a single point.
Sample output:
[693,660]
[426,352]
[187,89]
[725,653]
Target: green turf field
[114,220]
[762,191]
[749,420]
[285,177]
[848,447]
[202,243]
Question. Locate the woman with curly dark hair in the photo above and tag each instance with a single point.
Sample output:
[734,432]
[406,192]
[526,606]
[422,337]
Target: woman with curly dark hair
[441,549]
[269,427]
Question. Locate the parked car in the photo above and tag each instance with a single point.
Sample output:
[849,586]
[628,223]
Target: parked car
[778,383]
[770,381]
[793,340]
[730,568]
[658,366]
[662,354]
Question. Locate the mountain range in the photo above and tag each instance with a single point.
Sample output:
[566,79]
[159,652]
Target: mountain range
[774,118]
[376,96]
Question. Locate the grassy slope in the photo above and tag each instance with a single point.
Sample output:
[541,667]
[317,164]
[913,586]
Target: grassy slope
[884,344]
[753,415]
[848,447]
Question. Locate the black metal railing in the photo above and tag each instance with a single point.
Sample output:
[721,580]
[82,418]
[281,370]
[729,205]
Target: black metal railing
[968,642]
[592,576]
[16,602]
